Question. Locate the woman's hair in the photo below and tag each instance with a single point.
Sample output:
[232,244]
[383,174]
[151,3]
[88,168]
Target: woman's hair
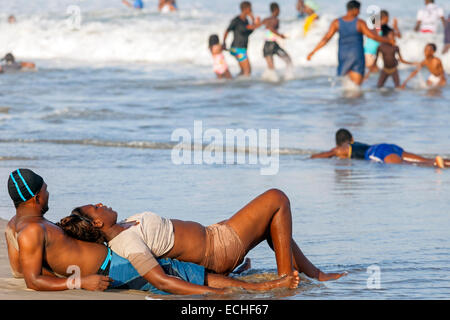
[79,226]
[213,40]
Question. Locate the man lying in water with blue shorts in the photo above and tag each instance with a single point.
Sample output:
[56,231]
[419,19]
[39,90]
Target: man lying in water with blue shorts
[347,148]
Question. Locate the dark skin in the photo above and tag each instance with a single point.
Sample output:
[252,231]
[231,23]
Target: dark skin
[361,27]
[44,249]
[245,66]
[344,152]
[271,24]
[38,259]
[433,64]
[268,217]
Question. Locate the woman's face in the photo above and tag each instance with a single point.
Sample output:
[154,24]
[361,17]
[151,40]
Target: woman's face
[99,212]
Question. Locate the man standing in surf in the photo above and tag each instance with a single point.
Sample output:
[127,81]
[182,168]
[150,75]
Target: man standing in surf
[351,42]
[242,30]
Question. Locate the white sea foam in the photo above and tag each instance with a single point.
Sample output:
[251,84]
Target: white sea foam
[116,34]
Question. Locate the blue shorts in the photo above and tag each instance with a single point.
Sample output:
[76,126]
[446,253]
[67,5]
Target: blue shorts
[125,275]
[239,53]
[138,4]
[379,152]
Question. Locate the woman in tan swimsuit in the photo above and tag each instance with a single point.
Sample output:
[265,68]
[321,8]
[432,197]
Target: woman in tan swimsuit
[221,247]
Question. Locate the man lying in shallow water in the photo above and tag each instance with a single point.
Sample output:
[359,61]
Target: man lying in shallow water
[40,252]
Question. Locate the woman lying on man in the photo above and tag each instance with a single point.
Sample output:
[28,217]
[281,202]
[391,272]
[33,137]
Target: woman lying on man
[219,248]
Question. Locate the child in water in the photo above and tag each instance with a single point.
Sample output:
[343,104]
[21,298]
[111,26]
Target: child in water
[434,65]
[219,64]
[389,53]
[348,148]
[271,46]
[137,4]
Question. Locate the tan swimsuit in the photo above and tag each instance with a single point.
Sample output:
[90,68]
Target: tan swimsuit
[224,249]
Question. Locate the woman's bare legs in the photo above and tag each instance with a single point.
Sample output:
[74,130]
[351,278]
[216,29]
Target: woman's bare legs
[268,217]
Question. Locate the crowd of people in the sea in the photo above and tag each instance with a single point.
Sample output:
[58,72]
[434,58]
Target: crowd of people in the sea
[360,47]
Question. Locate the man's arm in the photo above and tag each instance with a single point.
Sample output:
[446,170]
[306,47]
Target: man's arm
[334,27]
[125,2]
[417,27]
[325,155]
[159,279]
[364,29]
[31,249]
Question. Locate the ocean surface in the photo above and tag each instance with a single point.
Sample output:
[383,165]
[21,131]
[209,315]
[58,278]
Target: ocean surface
[96,121]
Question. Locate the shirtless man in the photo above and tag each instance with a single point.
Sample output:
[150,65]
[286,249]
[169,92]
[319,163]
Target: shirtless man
[351,45]
[39,250]
[434,65]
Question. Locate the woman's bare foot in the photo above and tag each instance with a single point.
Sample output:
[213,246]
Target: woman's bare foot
[247,264]
[330,276]
[287,281]
[440,162]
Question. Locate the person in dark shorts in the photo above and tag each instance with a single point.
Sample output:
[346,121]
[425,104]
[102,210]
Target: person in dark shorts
[347,148]
[389,53]
[242,30]
[271,46]
[447,36]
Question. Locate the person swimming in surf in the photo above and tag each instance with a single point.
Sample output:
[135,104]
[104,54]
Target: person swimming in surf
[347,148]
[271,46]
[242,30]
[137,4]
[220,65]
[434,65]
[11,65]
[351,45]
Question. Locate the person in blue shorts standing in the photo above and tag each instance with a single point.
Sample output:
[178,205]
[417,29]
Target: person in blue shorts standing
[347,148]
[351,44]
[242,30]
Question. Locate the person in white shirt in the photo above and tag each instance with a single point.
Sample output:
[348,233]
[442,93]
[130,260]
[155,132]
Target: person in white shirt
[428,18]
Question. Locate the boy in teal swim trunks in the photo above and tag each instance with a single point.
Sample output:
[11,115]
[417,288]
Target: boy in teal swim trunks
[347,148]
[242,30]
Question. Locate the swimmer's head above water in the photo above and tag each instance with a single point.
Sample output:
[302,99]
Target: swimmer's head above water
[344,139]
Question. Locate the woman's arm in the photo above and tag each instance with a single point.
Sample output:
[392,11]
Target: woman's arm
[159,279]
